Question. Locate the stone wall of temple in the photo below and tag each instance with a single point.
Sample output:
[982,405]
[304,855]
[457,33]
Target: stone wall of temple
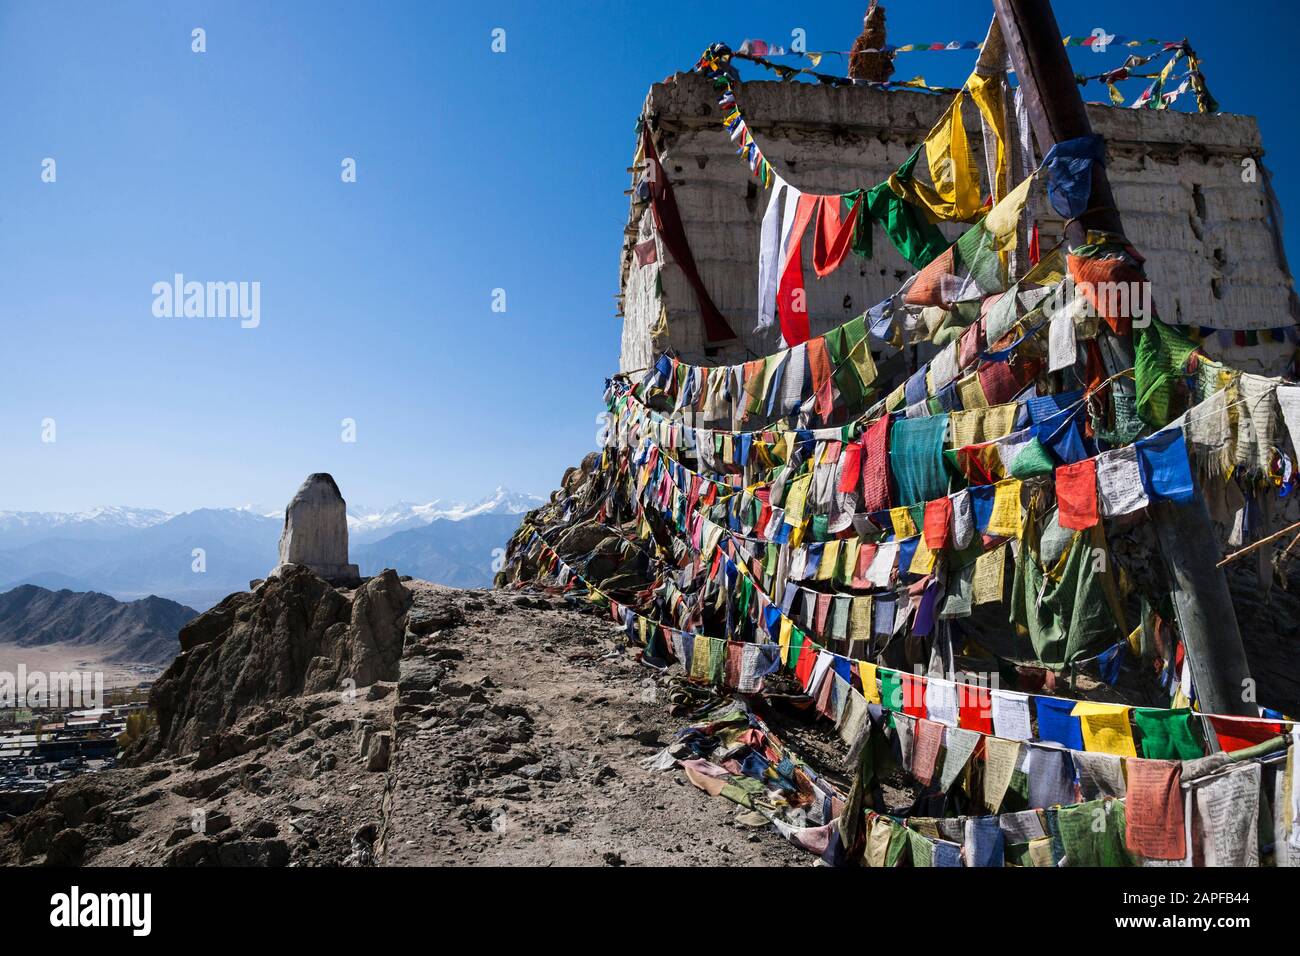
[1213,253]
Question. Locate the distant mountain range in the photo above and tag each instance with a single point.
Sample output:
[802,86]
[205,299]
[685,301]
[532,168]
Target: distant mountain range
[365,524]
[458,553]
[131,553]
[137,632]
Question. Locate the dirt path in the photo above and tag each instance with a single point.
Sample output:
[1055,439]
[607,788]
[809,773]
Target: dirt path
[520,736]
[514,737]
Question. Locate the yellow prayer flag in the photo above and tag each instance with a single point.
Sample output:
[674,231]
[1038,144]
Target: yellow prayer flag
[830,556]
[904,527]
[990,569]
[1005,519]
[784,639]
[971,392]
[980,425]
[1049,271]
[986,91]
[860,356]
[848,562]
[1002,220]
[1106,728]
[1135,642]
[860,619]
[923,560]
[956,191]
[869,688]
[1040,852]
[795,499]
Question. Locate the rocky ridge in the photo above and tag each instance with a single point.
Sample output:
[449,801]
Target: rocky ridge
[510,728]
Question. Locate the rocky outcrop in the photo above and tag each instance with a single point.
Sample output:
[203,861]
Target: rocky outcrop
[602,555]
[294,635]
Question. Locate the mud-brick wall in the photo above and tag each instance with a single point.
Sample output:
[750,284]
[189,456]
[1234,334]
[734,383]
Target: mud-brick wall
[1211,245]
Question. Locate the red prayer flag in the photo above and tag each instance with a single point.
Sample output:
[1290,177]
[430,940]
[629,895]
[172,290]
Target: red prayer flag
[1155,809]
[974,708]
[819,365]
[913,695]
[1076,495]
[832,237]
[804,668]
[852,470]
[1235,734]
[791,299]
[938,520]
[875,465]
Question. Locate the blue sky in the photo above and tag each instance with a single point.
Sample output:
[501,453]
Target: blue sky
[475,171]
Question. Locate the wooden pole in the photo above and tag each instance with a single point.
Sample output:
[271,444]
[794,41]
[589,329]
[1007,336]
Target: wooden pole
[1202,602]
[1255,545]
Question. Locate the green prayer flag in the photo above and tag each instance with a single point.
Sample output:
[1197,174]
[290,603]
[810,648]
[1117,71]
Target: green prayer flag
[922,849]
[1069,614]
[976,255]
[891,690]
[1093,833]
[917,240]
[898,842]
[840,343]
[1032,461]
[1168,734]
[1160,356]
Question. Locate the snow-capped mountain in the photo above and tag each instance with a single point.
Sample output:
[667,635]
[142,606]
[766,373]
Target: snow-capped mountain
[365,524]
[132,552]
[116,517]
[20,527]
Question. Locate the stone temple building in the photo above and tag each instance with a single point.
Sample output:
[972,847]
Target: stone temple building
[1191,188]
